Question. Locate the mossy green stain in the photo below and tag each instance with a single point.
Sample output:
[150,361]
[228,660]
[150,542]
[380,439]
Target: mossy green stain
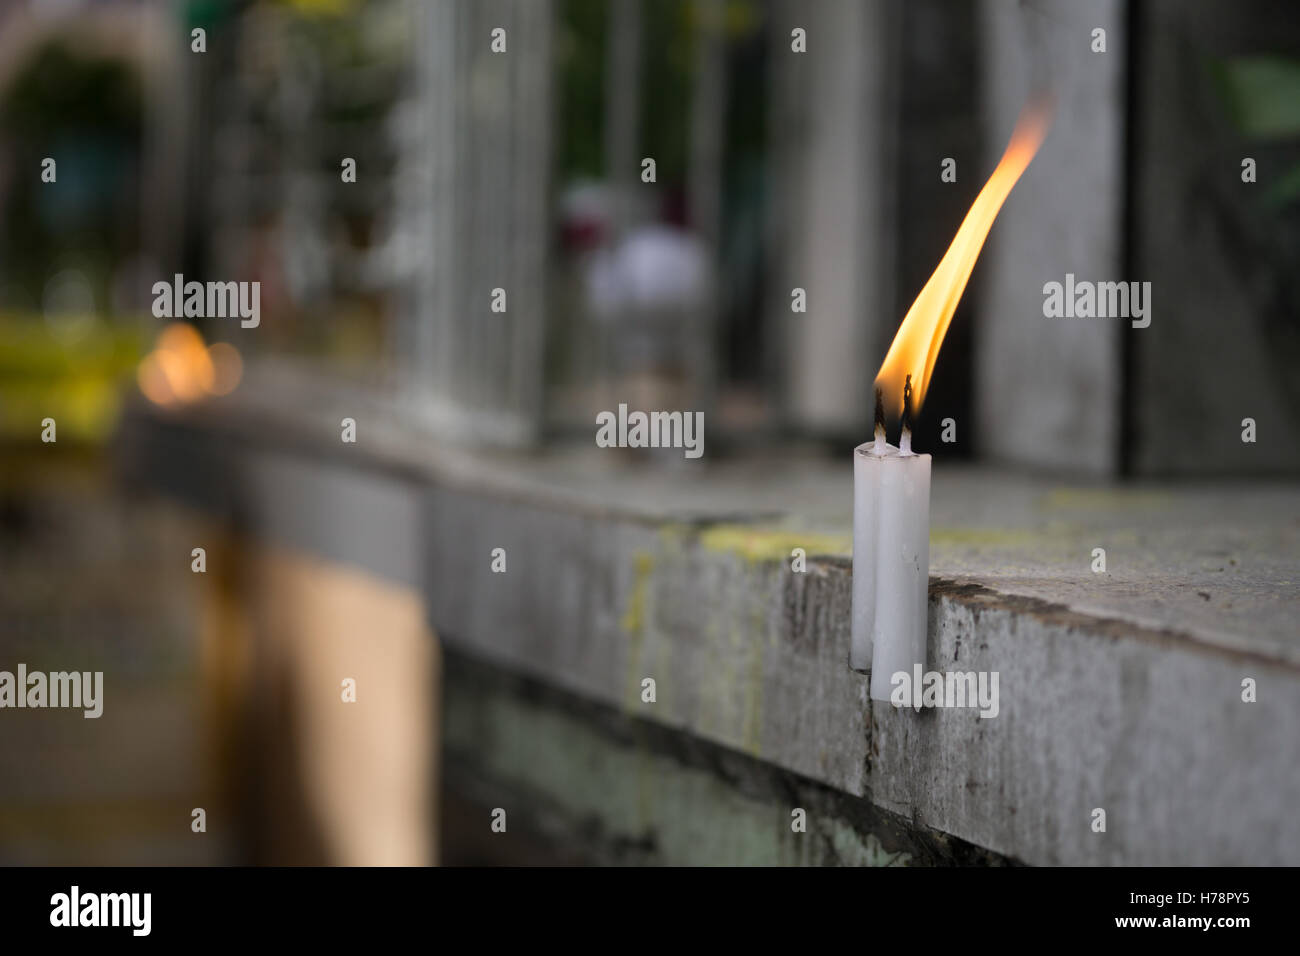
[757,545]
[633,619]
[633,623]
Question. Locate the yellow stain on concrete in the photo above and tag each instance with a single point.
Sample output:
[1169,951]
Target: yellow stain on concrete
[633,624]
[757,545]
[633,619]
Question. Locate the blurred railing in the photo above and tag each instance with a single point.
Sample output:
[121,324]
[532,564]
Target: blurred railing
[507,264]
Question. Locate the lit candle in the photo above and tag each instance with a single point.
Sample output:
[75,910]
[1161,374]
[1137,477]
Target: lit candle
[891,485]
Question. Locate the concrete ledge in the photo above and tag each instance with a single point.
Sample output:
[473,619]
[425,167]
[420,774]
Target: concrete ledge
[746,653]
[596,785]
[1123,694]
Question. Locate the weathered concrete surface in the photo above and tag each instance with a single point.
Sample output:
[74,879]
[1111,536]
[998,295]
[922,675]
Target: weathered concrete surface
[604,787]
[1119,690]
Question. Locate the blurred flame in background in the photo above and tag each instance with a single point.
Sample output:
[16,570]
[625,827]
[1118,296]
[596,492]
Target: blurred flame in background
[181,368]
[915,348]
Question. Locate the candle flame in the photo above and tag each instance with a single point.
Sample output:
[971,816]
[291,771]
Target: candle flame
[182,368]
[915,348]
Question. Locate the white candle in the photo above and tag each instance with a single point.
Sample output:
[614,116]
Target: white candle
[891,559]
[891,486]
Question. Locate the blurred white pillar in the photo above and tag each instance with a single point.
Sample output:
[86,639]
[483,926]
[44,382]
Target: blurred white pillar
[707,128]
[1047,390]
[484,216]
[834,167]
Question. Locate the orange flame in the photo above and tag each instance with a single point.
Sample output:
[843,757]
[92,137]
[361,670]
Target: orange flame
[916,346]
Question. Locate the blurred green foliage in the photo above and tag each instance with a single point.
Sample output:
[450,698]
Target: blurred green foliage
[85,110]
[62,87]
[581,41]
[1262,94]
[79,382]
[668,32]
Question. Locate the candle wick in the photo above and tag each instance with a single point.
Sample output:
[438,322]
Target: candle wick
[905,439]
[880,440]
